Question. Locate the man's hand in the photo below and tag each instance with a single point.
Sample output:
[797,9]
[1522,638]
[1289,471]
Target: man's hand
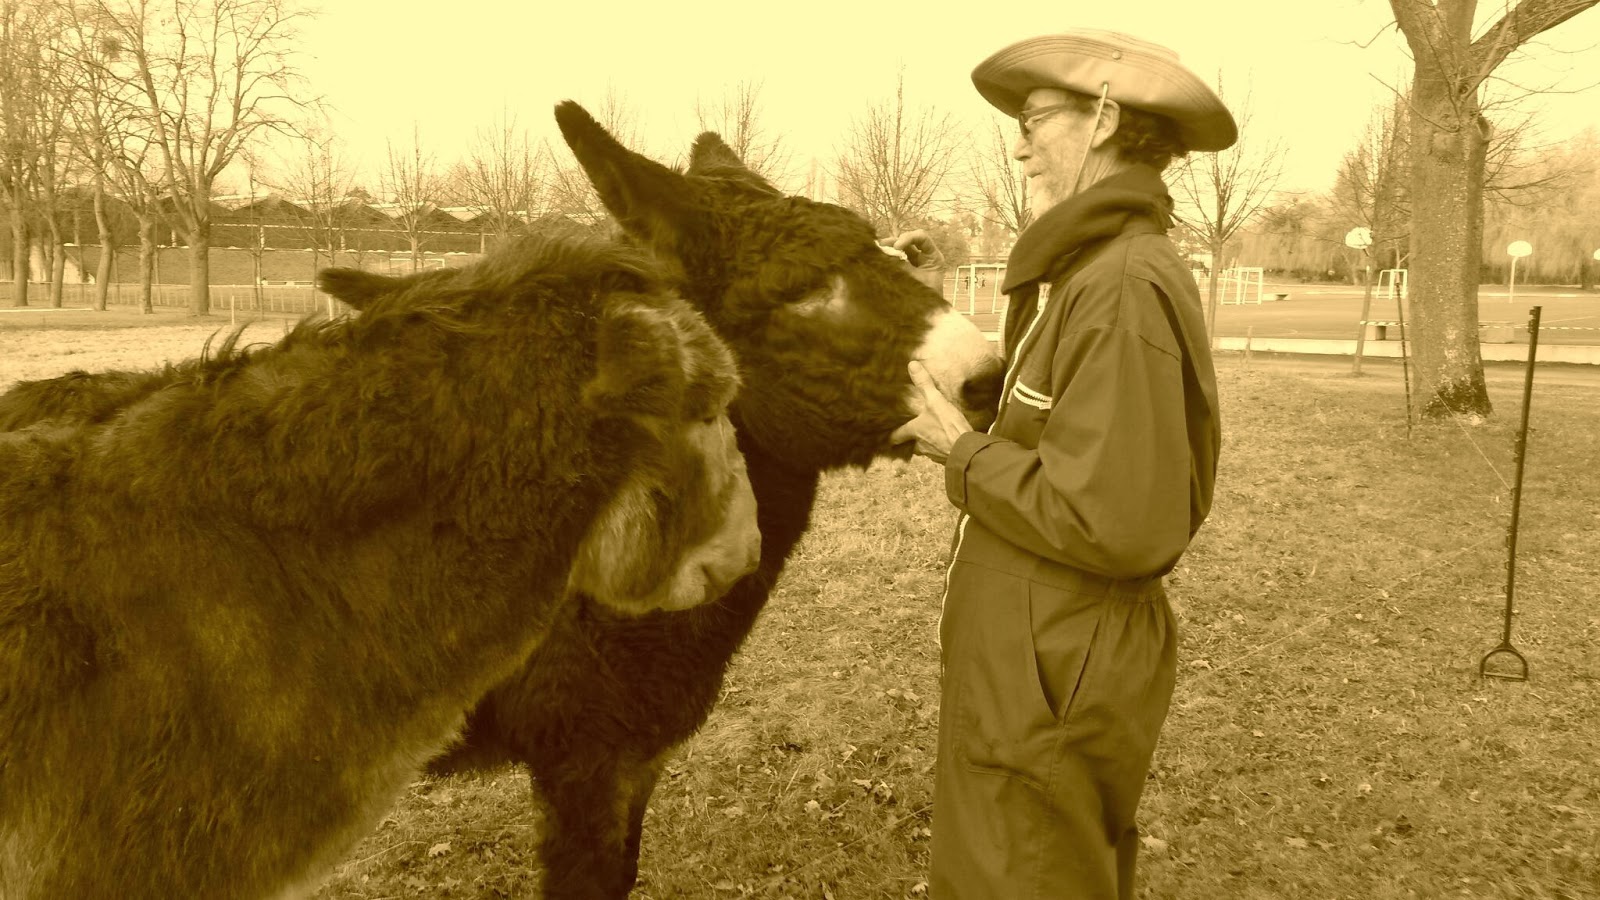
[927,263]
[938,423]
[920,250]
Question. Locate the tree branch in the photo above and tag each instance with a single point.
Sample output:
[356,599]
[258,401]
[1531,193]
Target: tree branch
[1520,24]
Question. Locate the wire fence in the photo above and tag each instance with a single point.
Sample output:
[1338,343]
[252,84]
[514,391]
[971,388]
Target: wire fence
[284,297]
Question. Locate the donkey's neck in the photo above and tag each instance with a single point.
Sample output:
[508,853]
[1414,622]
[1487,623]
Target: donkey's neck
[785,497]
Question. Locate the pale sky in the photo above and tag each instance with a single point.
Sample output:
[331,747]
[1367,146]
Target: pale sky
[453,68]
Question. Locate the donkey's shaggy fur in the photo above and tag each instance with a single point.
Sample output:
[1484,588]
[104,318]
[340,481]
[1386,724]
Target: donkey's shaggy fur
[241,600]
[824,325]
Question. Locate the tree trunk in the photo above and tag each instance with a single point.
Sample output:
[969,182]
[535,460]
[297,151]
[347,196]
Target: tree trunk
[1449,139]
[58,263]
[258,252]
[58,275]
[416,253]
[1212,290]
[147,263]
[102,269]
[20,250]
[200,269]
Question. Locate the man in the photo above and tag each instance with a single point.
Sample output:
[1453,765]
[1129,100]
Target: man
[1058,644]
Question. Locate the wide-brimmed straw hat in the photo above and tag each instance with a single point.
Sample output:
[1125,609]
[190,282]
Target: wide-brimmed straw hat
[1135,73]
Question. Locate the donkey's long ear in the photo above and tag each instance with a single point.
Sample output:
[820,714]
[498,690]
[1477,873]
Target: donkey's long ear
[354,286]
[711,156]
[652,202]
[711,152]
[640,365]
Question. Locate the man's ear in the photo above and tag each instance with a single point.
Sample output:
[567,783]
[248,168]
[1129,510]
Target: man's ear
[1110,120]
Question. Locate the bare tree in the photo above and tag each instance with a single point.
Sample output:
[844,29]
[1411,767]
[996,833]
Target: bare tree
[112,126]
[411,182]
[212,76]
[24,32]
[894,162]
[1449,147]
[318,180]
[1372,188]
[502,176]
[1218,193]
[94,111]
[56,158]
[255,189]
[737,119]
[1298,233]
[1560,217]
[137,180]
[1002,189]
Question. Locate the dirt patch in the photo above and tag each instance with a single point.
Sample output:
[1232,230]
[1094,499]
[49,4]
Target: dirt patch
[44,344]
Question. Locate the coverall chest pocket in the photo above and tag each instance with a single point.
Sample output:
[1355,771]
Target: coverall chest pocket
[1025,414]
[1017,652]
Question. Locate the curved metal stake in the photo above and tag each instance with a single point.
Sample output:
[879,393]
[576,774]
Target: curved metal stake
[1516,514]
[1505,647]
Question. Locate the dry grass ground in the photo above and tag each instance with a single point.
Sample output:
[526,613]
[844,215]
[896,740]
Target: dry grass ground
[1329,737]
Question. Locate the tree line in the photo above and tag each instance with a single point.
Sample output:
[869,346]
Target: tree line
[152,103]
[116,109]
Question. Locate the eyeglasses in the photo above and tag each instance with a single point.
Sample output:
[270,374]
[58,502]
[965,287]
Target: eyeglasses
[1027,117]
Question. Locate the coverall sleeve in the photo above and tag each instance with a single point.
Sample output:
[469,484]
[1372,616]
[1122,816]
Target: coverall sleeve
[1107,489]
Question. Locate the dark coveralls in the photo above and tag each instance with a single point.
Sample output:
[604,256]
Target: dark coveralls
[1058,643]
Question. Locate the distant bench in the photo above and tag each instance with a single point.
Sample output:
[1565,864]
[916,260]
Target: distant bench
[1490,332]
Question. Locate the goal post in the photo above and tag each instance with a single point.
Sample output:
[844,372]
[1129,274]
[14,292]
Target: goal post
[980,277]
[1392,284]
[1238,282]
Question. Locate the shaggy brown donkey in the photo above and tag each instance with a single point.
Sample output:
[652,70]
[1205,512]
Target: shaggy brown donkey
[80,396]
[242,601]
[823,324]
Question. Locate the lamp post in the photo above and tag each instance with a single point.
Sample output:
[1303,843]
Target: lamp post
[1360,238]
[1517,250]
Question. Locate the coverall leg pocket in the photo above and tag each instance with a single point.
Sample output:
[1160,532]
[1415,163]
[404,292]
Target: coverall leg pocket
[1015,652]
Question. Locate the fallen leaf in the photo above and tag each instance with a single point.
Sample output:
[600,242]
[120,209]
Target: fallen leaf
[439,849]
